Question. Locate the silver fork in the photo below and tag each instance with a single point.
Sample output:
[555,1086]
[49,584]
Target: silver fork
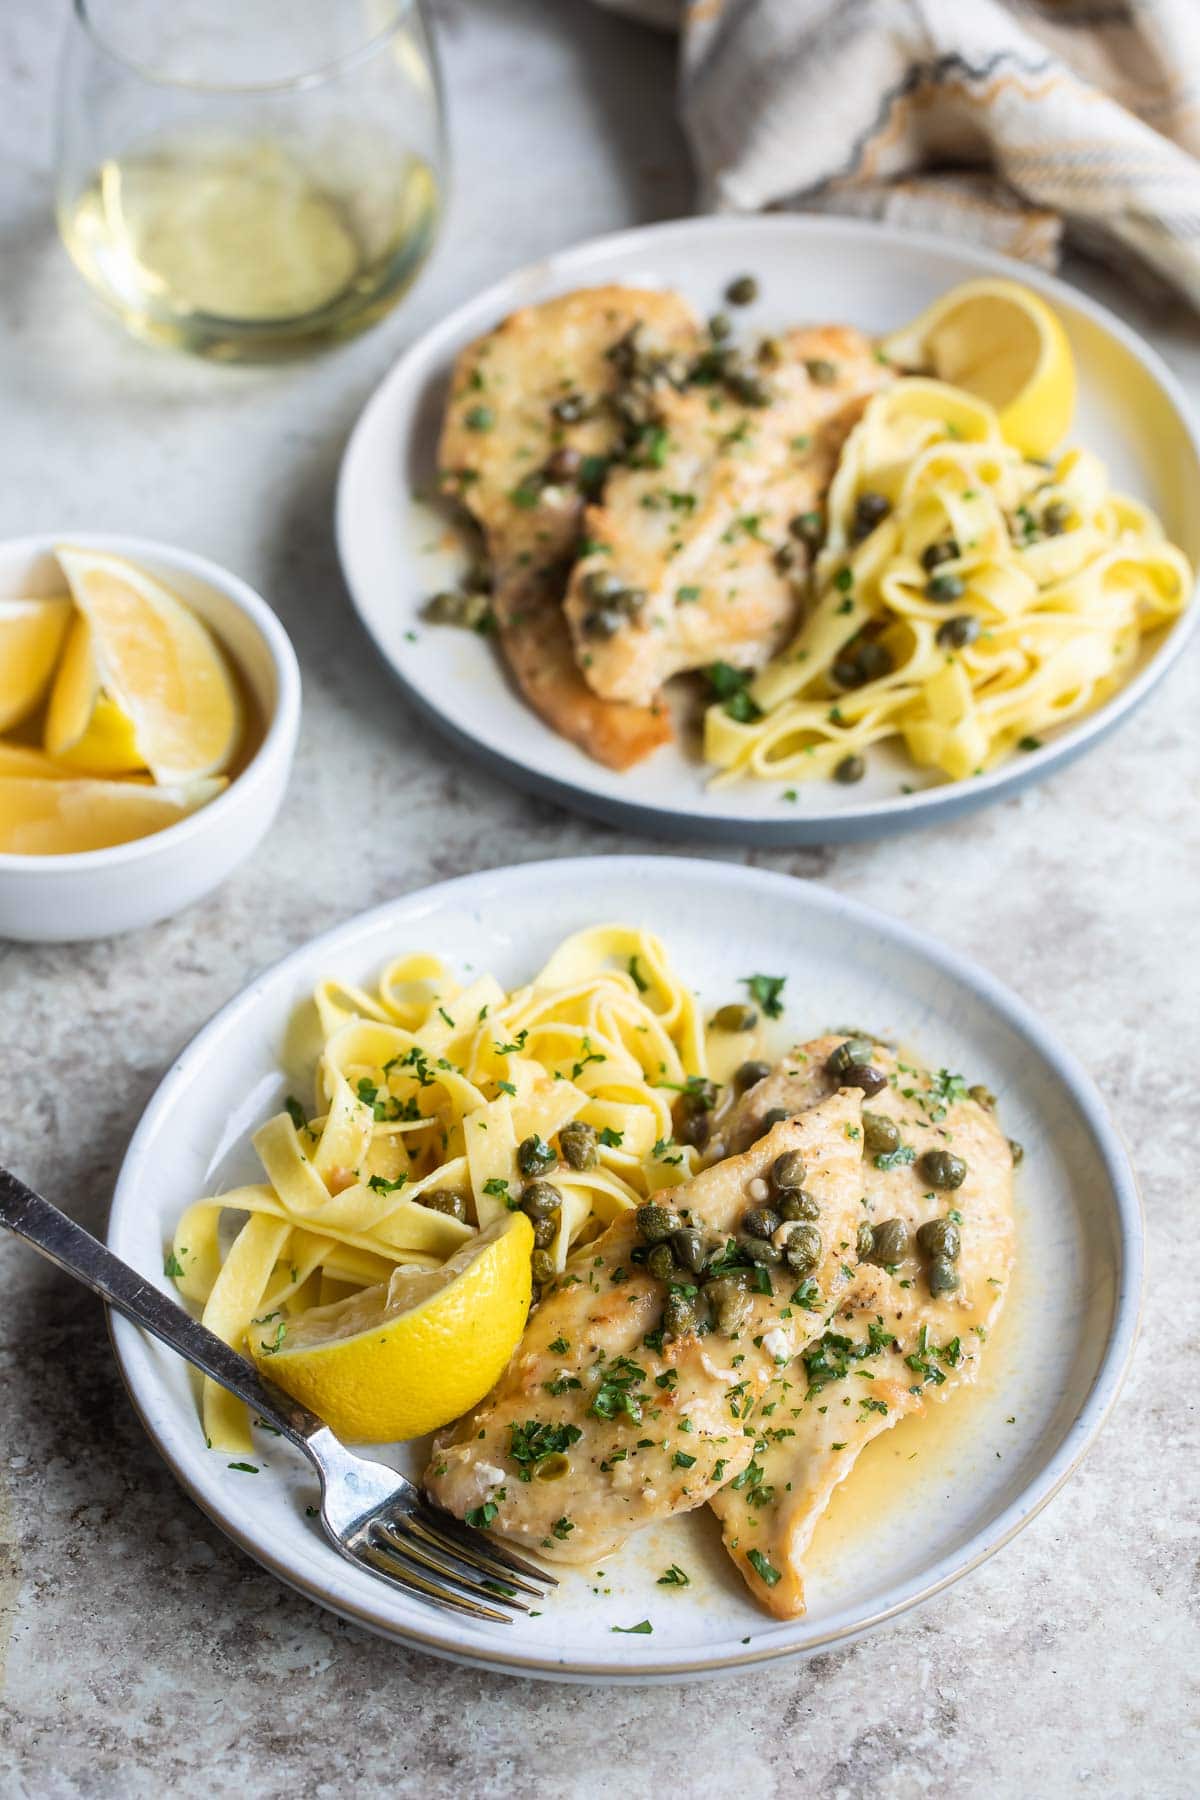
[373,1515]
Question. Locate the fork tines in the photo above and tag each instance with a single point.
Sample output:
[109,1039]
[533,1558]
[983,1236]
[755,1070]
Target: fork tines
[432,1555]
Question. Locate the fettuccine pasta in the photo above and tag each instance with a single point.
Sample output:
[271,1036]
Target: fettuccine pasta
[424,1089]
[966,599]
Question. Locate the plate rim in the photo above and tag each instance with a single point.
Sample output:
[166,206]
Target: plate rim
[130,1345]
[869,819]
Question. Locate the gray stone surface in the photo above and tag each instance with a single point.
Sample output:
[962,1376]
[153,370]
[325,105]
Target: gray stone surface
[139,1653]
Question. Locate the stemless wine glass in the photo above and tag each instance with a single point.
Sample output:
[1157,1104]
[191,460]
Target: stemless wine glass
[245,178]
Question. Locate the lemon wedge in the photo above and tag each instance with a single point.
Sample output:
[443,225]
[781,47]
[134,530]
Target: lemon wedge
[84,727]
[40,817]
[31,636]
[144,685]
[395,1362]
[1001,341]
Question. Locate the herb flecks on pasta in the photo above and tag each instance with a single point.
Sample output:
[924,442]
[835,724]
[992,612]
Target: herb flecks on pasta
[966,600]
[425,1092]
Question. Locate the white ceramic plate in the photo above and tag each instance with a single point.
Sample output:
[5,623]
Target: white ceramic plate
[1054,1364]
[394,552]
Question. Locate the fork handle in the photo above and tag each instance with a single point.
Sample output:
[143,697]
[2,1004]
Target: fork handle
[72,1248]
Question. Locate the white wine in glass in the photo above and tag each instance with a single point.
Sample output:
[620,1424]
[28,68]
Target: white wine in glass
[250,201]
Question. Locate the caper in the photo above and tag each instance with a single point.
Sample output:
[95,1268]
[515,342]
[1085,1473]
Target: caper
[982,1096]
[603,622]
[551,1468]
[749,1074]
[870,509]
[720,326]
[775,1116]
[942,1276]
[735,1017]
[808,527]
[945,587]
[846,672]
[540,1199]
[562,464]
[942,1169]
[864,1242]
[760,1222]
[864,1076]
[535,1156]
[743,291]
[570,409]
[732,1302]
[656,1223]
[821,372]
[784,558]
[578,1142]
[688,1246]
[889,1242]
[1017,1151]
[1056,518]
[750,389]
[939,1237]
[945,551]
[661,1263]
[541,1264]
[850,770]
[798,1205]
[630,601]
[958,632]
[852,1050]
[802,1251]
[601,584]
[545,1230]
[759,1250]
[441,1200]
[679,1315]
[694,1129]
[787,1171]
[449,608]
[881,1135]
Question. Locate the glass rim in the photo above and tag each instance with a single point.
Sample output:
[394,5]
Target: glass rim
[82,13]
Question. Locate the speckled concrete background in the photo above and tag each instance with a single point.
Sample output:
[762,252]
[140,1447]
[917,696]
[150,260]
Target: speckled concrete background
[145,1656]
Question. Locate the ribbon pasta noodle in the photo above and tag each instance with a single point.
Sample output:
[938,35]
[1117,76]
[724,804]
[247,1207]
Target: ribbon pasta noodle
[423,1085]
[1049,576]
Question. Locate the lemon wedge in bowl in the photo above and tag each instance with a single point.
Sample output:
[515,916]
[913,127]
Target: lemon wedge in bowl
[143,683]
[1001,341]
[31,637]
[395,1362]
[60,817]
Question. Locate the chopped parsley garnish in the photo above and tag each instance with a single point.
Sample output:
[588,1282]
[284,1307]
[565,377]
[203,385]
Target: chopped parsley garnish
[562,1383]
[563,1527]
[589,1056]
[480,1517]
[295,1112]
[245,1468]
[731,686]
[172,1266]
[681,1460]
[560,1346]
[609,1138]
[896,1159]
[479,418]
[673,1577]
[512,1049]
[766,989]
[497,1186]
[642,1630]
[380,1184]
[639,980]
[615,1394]
[766,1571]
[531,1443]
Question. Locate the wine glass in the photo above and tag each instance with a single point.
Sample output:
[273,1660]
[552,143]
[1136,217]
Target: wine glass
[247,180]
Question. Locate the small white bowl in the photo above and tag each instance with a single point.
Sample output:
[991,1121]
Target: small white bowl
[96,893]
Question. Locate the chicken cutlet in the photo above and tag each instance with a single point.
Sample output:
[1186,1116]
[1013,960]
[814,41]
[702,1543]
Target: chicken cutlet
[614,1411]
[530,428]
[909,1329]
[694,551]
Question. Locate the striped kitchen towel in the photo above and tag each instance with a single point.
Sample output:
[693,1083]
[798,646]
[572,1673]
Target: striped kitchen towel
[1013,122]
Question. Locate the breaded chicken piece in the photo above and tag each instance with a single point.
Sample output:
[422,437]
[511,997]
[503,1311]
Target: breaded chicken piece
[527,434]
[598,1426]
[893,1344]
[692,561]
